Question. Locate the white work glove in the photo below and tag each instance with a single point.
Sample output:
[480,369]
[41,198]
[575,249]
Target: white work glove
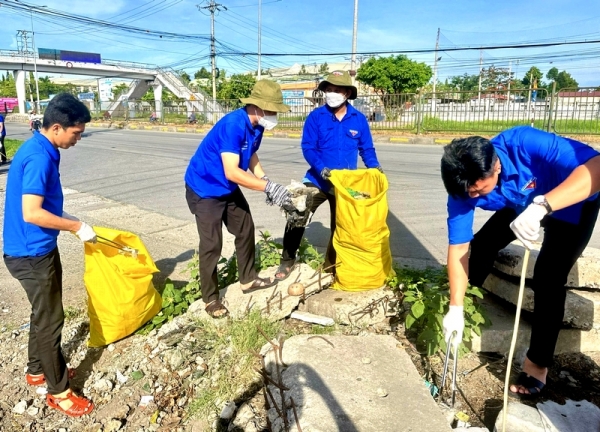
[68,216]
[454,321]
[86,233]
[527,225]
[277,194]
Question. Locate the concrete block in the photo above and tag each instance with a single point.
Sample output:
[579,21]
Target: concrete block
[349,307]
[520,418]
[497,337]
[351,383]
[584,274]
[582,308]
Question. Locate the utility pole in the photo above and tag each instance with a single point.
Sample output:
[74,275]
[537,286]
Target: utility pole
[37,86]
[480,72]
[437,45]
[259,21]
[509,80]
[25,47]
[213,7]
[354,35]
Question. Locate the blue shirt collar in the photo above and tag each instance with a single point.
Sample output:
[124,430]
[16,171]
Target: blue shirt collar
[47,145]
[350,110]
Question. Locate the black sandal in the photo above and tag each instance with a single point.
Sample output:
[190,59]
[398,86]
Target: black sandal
[259,283]
[216,309]
[533,386]
[285,268]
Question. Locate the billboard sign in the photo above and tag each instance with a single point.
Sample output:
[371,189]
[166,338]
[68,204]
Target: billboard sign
[105,89]
[85,96]
[293,97]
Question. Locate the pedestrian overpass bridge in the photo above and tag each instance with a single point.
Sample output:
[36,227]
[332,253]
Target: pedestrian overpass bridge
[144,77]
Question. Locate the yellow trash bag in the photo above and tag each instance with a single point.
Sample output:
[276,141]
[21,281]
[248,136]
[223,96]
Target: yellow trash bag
[121,296]
[362,238]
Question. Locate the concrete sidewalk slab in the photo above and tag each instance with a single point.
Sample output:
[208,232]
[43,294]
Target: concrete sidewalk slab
[352,384]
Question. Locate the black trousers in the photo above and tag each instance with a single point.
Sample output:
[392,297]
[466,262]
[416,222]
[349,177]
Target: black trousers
[2,150]
[562,245]
[292,237]
[41,278]
[211,213]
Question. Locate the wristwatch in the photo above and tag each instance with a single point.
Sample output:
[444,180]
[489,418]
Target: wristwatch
[541,200]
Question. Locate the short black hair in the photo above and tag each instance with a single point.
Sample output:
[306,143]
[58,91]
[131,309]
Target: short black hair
[66,110]
[465,162]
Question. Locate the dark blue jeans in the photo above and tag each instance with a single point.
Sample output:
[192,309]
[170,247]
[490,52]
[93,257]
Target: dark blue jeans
[562,245]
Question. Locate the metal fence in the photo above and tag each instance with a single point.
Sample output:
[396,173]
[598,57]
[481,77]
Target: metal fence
[569,111]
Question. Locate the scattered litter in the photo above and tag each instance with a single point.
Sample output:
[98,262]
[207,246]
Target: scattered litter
[24,327]
[6,310]
[312,318]
[461,420]
[433,389]
[145,400]
[121,378]
[358,195]
[41,391]
[20,408]
[137,375]
[366,360]
[298,213]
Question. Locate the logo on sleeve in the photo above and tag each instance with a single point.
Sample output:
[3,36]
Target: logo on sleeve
[353,132]
[531,184]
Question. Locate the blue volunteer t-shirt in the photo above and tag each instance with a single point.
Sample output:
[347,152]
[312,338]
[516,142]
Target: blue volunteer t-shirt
[330,143]
[33,171]
[3,133]
[232,134]
[533,163]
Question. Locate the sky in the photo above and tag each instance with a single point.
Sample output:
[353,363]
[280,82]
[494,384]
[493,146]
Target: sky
[317,28]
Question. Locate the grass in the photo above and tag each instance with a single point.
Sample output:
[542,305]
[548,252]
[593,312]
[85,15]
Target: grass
[11,145]
[231,368]
[71,312]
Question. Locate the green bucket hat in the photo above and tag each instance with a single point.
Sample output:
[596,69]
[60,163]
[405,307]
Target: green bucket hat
[267,96]
[341,79]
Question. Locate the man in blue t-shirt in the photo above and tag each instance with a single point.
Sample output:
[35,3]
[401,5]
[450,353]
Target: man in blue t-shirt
[333,137]
[225,160]
[3,158]
[33,218]
[510,174]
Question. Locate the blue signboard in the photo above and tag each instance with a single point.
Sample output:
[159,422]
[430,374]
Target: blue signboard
[293,97]
[85,96]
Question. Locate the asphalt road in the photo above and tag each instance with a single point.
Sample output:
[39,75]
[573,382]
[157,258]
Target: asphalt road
[146,169]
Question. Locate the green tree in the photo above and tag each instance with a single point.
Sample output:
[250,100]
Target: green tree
[552,74]
[185,77]
[393,75]
[565,80]
[531,76]
[494,78]
[237,86]
[118,90]
[465,82]
[324,68]
[202,73]
[302,70]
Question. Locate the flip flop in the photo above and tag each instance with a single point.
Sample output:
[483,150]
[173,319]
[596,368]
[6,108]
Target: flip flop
[259,283]
[285,268]
[533,386]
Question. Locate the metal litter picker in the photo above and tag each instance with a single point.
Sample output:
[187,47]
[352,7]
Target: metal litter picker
[121,247]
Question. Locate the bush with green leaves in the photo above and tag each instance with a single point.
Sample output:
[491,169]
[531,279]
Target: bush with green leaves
[427,294]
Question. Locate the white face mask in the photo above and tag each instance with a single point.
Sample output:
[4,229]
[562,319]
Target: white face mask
[266,121]
[334,100]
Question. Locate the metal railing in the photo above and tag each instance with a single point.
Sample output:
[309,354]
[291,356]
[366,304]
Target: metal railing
[570,111]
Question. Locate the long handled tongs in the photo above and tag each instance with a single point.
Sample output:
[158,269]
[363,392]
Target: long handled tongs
[124,249]
[448,349]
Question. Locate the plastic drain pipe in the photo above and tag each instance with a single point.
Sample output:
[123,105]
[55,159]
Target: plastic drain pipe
[513,342]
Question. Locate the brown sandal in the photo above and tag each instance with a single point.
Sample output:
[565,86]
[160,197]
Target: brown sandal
[81,406]
[259,283]
[39,380]
[216,309]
